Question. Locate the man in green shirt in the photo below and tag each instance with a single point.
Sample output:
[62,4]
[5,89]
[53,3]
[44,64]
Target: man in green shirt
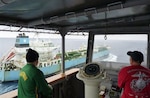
[32,83]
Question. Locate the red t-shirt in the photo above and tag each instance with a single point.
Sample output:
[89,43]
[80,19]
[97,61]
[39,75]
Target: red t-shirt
[135,81]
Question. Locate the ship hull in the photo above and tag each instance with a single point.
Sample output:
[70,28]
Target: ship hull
[13,75]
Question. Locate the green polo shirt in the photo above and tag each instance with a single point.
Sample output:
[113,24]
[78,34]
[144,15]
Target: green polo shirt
[32,82]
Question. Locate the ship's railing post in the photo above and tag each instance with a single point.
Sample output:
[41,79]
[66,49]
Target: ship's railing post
[63,33]
[90,48]
[63,55]
[148,51]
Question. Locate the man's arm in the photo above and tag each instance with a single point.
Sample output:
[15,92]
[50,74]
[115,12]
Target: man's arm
[42,85]
[121,78]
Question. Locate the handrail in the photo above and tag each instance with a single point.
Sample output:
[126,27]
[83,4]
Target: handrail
[50,80]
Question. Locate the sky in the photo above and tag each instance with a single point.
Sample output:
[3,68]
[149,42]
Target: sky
[6,34]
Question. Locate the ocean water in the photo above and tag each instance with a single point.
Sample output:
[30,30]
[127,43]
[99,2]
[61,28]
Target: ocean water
[117,47]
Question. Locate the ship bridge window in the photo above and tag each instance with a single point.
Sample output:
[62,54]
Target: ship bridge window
[17,40]
[114,48]
[40,65]
[59,61]
[44,64]
[50,44]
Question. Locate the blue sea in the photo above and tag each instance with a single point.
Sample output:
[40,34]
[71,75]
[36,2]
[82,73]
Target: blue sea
[117,47]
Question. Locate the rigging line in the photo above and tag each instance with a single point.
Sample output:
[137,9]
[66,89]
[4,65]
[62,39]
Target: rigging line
[20,28]
[106,25]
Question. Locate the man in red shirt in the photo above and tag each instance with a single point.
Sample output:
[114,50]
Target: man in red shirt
[135,79]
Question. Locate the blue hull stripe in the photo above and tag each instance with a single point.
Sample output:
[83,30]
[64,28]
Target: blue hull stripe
[13,75]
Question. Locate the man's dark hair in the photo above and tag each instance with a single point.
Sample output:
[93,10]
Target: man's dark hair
[31,55]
